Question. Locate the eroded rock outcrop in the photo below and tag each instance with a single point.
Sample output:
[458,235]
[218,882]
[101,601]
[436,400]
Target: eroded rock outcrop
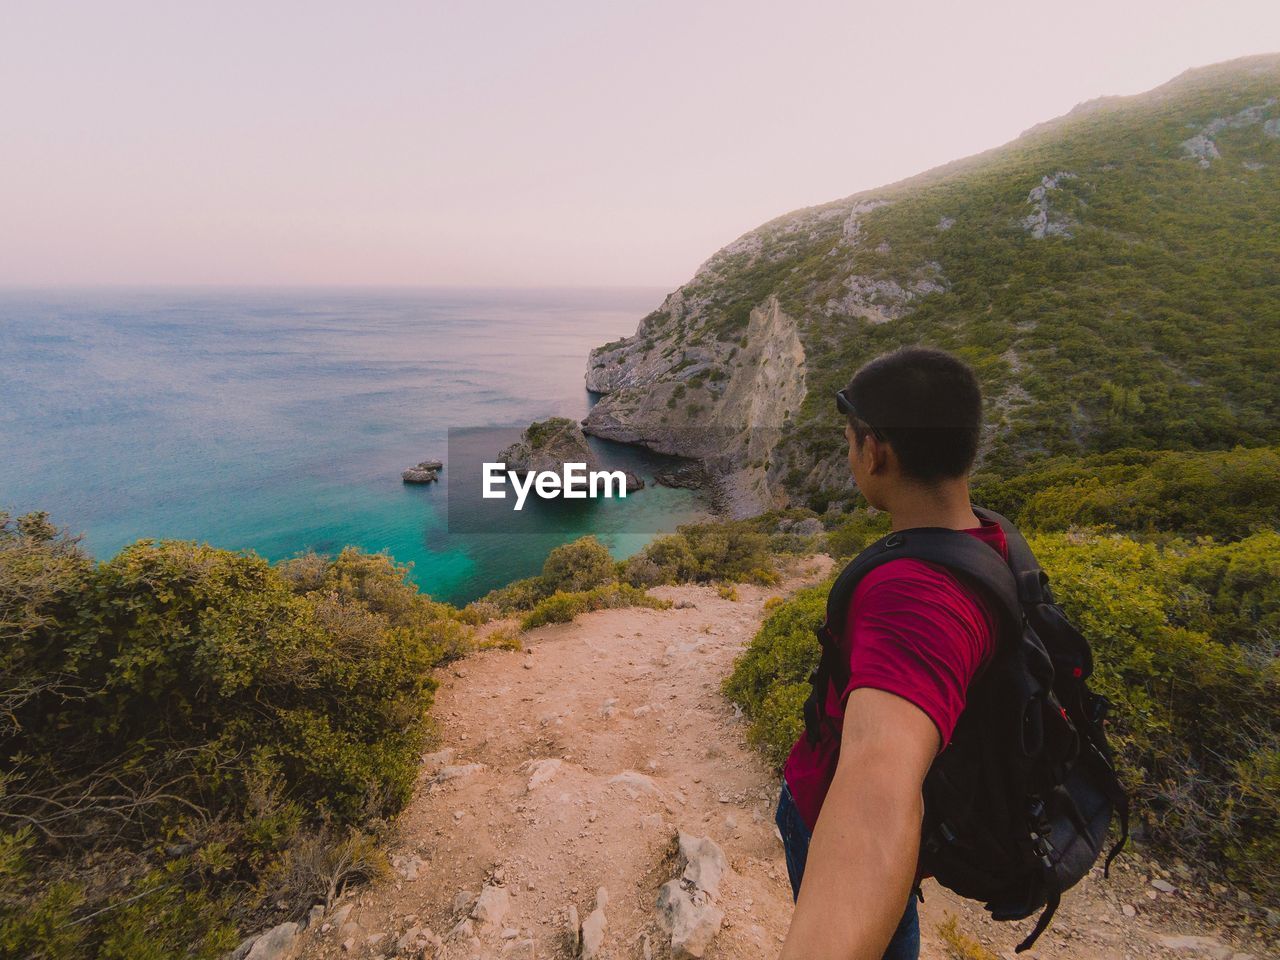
[1048,219]
[548,445]
[942,255]
[1203,147]
[723,402]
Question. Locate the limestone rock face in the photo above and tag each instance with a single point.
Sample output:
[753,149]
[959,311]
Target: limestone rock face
[722,402]
[1203,147]
[1048,218]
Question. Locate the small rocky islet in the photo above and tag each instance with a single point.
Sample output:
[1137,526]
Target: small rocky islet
[428,471]
[547,445]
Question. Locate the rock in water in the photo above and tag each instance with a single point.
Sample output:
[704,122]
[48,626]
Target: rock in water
[547,445]
[425,472]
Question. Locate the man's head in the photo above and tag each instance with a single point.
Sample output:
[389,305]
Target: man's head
[912,417]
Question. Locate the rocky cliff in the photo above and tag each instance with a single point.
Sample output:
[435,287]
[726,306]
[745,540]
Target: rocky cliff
[679,391]
[1110,275]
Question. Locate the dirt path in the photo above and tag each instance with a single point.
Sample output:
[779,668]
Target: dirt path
[570,766]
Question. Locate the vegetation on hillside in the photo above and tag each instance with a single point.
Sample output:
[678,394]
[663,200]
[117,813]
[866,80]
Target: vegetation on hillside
[1225,494]
[1142,312]
[197,740]
[581,576]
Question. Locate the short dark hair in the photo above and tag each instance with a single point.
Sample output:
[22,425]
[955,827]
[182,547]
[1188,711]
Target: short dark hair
[926,404]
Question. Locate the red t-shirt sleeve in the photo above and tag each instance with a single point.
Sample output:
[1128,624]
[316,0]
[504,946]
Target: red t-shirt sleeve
[916,632]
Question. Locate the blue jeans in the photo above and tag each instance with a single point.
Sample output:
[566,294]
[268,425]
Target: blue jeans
[905,944]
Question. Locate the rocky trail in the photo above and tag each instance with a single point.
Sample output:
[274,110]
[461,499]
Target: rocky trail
[546,822]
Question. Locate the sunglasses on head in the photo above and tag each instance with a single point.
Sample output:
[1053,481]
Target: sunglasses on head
[846,406]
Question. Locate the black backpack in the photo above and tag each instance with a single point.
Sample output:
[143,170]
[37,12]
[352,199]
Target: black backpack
[1019,803]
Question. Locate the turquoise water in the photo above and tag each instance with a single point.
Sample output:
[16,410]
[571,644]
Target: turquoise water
[279,421]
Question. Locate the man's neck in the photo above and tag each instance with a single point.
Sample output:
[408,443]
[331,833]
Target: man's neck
[941,505]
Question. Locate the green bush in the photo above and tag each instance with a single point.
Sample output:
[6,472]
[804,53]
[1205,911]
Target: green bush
[734,550]
[580,565]
[770,679]
[1196,712]
[668,559]
[1223,494]
[515,596]
[856,531]
[183,695]
[562,607]
[1242,581]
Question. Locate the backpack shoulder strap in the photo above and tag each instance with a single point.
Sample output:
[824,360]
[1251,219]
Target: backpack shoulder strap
[1033,583]
[963,555]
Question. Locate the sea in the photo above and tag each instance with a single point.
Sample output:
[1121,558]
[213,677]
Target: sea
[279,421]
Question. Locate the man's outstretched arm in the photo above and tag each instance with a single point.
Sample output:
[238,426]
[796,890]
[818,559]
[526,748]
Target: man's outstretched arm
[862,858]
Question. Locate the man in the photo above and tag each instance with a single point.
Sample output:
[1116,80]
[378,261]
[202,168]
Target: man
[851,806]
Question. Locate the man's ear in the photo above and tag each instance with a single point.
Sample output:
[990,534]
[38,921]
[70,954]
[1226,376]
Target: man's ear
[879,453]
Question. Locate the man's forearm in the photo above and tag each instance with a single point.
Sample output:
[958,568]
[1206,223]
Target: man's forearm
[862,861]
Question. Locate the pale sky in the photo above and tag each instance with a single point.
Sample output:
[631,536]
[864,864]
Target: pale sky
[592,142]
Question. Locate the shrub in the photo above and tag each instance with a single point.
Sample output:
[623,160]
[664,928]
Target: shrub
[1224,494]
[1196,714]
[505,637]
[562,607]
[1242,581]
[770,679]
[515,596]
[179,694]
[856,531]
[733,550]
[580,565]
[667,559]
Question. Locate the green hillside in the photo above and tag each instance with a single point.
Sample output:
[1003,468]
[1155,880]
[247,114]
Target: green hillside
[1114,275]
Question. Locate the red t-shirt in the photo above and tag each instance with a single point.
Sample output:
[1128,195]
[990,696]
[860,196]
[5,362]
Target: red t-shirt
[915,631]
